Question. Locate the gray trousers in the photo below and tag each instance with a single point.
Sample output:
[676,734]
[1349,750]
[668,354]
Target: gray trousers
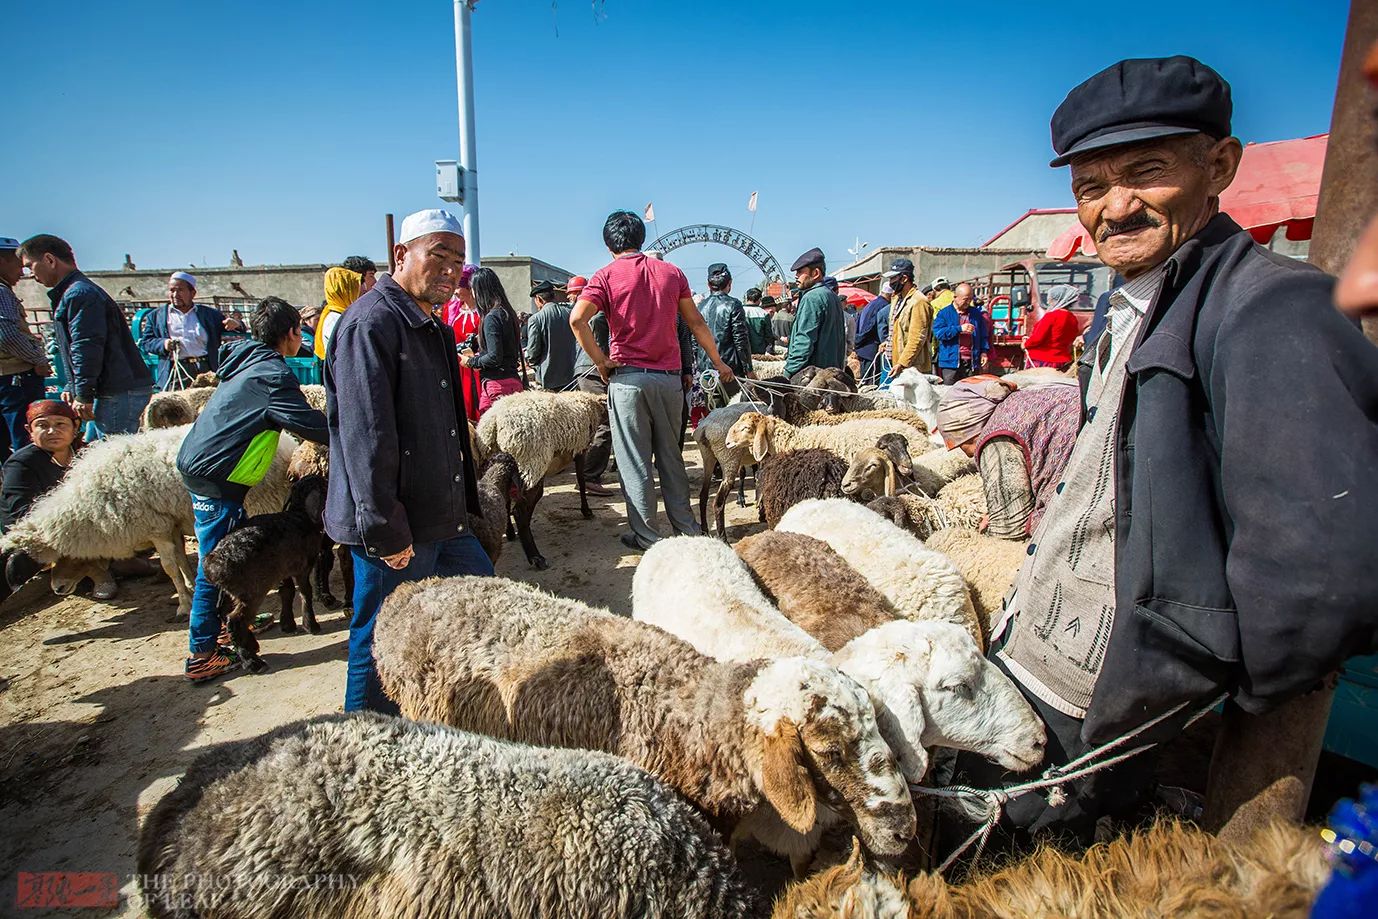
[645,411]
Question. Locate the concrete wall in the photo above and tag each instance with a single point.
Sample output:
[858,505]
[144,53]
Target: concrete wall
[1034,231]
[931,262]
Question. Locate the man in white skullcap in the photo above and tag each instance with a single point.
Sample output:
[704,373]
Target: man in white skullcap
[401,475]
[184,335]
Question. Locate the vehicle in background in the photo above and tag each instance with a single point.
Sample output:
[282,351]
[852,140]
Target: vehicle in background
[1013,301]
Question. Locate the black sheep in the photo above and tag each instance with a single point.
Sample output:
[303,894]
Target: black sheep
[267,551]
[785,479]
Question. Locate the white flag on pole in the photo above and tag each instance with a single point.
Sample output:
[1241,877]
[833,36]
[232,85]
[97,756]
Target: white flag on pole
[751,205]
[650,212]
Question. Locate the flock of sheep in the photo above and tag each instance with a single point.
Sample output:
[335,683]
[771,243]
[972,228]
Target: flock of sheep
[554,759]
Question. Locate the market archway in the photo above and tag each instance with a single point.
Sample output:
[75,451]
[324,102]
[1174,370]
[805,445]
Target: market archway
[724,236]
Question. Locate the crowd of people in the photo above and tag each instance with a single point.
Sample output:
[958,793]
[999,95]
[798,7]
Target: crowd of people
[1206,527]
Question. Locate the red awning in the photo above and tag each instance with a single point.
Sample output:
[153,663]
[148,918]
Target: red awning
[1276,186]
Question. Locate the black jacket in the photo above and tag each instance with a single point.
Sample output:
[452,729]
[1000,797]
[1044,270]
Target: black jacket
[235,437]
[153,337]
[29,474]
[497,356]
[97,349]
[726,321]
[401,472]
[1246,493]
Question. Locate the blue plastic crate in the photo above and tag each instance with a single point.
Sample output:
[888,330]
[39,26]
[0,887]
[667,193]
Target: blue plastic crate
[1353,727]
[305,369]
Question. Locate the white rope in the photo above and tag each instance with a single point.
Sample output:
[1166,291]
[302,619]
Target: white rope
[179,377]
[992,801]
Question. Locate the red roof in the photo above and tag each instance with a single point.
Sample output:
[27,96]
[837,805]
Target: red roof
[1276,186]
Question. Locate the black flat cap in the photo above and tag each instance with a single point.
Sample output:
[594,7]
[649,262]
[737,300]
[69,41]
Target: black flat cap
[813,257]
[1138,100]
[543,289]
[718,268]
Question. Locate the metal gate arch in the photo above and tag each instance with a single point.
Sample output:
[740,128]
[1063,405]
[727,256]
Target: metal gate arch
[724,236]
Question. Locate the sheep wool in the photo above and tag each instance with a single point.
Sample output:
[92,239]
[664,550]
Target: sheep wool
[542,431]
[407,819]
[920,583]
[785,479]
[764,434]
[939,467]
[962,502]
[989,566]
[124,494]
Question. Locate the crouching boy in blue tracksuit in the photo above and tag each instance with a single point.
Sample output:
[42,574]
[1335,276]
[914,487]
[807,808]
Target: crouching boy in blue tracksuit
[229,450]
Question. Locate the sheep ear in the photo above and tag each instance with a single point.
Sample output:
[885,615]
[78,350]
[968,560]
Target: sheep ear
[760,444]
[891,480]
[856,862]
[784,778]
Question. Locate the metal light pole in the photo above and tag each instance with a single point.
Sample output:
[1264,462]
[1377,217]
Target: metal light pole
[468,148]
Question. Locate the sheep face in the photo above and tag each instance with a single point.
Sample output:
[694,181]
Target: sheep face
[871,474]
[752,428]
[969,703]
[67,573]
[883,660]
[820,740]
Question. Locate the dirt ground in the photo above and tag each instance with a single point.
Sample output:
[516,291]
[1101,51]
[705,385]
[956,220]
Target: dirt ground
[97,724]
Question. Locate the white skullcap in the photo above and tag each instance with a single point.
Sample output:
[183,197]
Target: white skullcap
[184,276]
[424,223]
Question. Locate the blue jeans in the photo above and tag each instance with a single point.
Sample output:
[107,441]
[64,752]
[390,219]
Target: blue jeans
[119,413]
[16,392]
[215,518]
[373,581]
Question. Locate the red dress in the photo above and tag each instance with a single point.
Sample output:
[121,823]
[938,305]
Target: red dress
[465,321]
[1050,342]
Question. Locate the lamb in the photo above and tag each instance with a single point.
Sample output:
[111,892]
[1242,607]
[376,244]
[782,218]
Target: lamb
[922,391]
[543,432]
[920,583]
[711,437]
[1168,869]
[968,704]
[766,434]
[311,458]
[878,471]
[829,389]
[754,745]
[418,819]
[124,494]
[989,566]
[960,503]
[266,551]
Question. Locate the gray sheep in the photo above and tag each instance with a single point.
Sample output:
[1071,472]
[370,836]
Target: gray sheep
[361,815]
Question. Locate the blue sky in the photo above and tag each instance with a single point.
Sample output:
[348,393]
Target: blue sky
[178,131]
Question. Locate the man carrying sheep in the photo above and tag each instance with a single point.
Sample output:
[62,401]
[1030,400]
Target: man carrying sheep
[642,298]
[401,473]
[229,450]
[1216,527]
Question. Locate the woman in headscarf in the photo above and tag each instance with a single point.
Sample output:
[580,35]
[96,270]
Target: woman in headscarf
[1055,333]
[496,361]
[1020,438]
[342,288]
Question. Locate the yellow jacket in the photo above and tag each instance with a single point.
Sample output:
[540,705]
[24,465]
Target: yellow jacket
[342,288]
[911,330]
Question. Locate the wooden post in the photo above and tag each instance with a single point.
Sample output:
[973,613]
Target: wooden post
[392,237]
[1263,765]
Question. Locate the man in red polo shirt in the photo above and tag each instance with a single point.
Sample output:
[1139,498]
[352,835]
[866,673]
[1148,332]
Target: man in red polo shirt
[641,297]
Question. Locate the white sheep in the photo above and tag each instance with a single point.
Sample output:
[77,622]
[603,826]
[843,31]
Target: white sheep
[919,582]
[766,434]
[939,467]
[927,680]
[124,494]
[392,818]
[711,437]
[543,432]
[754,745]
[989,566]
[923,391]
[182,406]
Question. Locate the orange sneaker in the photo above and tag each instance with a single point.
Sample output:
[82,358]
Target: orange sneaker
[200,669]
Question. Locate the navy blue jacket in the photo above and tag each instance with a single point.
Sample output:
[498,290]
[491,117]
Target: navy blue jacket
[236,435]
[401,472]
[97,349]
[1246,505]
[868,334]
[947,330]
[153,337]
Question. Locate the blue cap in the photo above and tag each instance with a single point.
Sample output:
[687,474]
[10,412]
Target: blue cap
[8,242]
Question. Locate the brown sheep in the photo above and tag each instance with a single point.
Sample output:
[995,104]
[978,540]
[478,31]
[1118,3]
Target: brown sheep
[748,742]
[814,587]
[1169,869]
[988,565]
[785,479]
